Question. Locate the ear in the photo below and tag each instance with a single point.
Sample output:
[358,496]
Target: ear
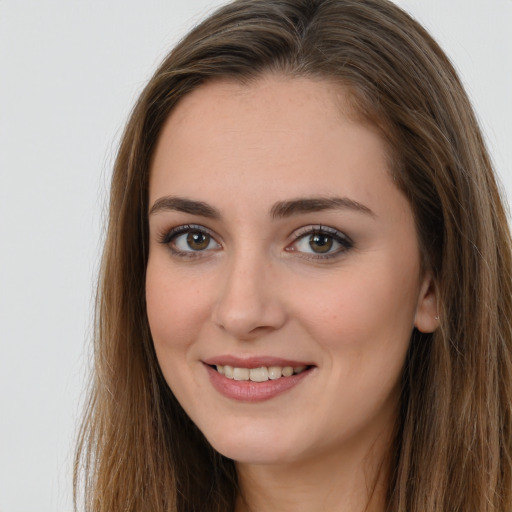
[426,319]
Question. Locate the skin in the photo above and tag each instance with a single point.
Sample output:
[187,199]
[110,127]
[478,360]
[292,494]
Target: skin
[257,290]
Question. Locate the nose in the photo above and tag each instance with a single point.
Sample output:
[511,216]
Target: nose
[249,303]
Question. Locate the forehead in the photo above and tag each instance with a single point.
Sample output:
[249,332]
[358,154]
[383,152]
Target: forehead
[284,93]
[242,149]
[276,128]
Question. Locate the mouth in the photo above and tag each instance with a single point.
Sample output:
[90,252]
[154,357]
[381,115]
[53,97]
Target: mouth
[256,379]
[260,374]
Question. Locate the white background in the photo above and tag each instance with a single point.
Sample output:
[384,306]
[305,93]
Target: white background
[69,74]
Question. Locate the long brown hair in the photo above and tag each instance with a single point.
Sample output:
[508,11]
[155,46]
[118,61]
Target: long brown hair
[138,451]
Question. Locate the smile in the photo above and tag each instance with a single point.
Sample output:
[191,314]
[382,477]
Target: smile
[260,374]
[257,379]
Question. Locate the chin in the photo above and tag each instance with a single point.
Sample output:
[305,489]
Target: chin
[253,455]
[252,447]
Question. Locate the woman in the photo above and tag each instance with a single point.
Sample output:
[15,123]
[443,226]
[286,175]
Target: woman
[306,290]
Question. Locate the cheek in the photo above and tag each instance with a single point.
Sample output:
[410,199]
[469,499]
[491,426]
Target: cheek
[176,307]
[361,312]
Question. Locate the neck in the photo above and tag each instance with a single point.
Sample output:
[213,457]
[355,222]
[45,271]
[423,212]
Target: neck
[353,483]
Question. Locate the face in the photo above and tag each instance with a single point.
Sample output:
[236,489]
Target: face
[283,280]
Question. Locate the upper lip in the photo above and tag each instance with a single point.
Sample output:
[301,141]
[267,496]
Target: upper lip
[253,361]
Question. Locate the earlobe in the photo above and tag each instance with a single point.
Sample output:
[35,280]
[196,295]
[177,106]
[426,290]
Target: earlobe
[427,319]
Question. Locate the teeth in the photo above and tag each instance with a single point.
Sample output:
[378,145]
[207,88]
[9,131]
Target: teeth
[258,374]
[241,373]
[287,371]
[274,372]
[261,374]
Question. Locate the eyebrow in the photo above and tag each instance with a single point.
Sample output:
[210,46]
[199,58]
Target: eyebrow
[281,209]
[317,204]
[181,204]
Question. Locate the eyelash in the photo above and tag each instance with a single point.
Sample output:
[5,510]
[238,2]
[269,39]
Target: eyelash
[343,240]
[168,237]
[345,243]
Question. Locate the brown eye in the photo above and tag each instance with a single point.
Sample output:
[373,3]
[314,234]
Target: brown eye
[198,241]
[321,243]
[190,239]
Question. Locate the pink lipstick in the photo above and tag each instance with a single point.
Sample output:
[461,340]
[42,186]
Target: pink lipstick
[255,379]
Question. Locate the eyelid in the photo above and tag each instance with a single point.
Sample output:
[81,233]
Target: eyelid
[166,236]
[344,240]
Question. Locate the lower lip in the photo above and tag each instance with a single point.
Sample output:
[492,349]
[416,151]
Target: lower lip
[249,391]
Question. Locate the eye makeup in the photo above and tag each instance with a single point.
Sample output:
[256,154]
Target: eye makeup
[189,240]
[316,242]
[320,242]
